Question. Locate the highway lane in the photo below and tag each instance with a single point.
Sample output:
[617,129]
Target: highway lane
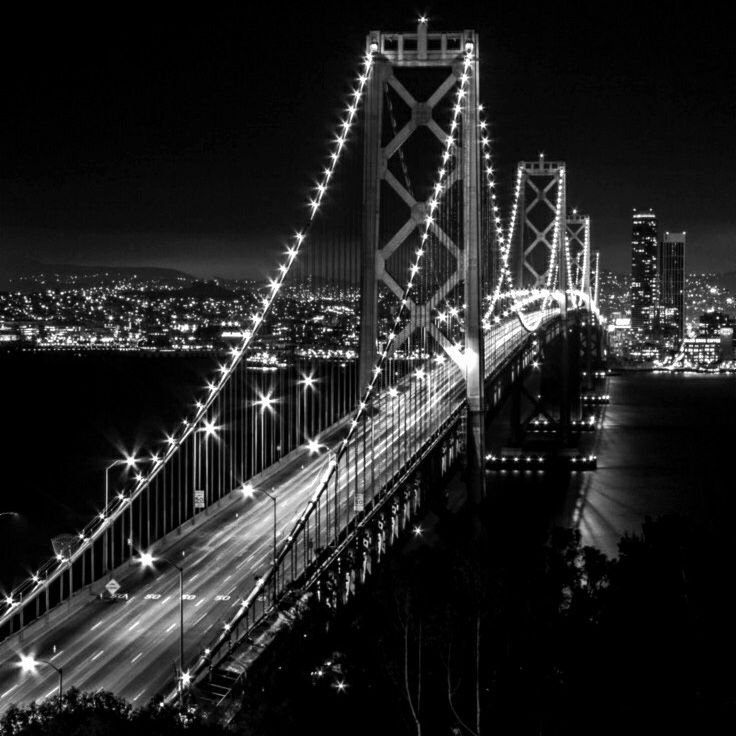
[131,647]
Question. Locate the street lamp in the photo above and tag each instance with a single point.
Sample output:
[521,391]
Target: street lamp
[248,492]
[130,461]
[265,401]
[308,382]
[28,663]
[208,429]
[147,560]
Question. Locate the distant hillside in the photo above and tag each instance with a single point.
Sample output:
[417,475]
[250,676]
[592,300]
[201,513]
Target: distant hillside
[197,290]
[25,274]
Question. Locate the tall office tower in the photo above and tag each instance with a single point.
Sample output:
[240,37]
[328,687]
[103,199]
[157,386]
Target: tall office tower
[644,282]
[672,288]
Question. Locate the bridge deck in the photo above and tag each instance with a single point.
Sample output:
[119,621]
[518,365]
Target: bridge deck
[131,647]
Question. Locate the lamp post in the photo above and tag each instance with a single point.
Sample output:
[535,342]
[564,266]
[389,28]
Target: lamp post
[248,492]
[147,560]
[265,402]
[308,382]
[130,461]
[209,428]
[28,663]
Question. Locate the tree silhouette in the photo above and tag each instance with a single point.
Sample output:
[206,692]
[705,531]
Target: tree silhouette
[103,714]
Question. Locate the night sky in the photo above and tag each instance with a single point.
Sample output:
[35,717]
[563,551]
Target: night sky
[140,136]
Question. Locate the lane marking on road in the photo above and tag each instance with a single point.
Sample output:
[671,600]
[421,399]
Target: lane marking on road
[199,602]
[133,625]
[50,693]
[96,625]
[169,629]
[194,577]
[136,658]
[139,694]
[55,655]
[96,656]
[8,691]
[227,578]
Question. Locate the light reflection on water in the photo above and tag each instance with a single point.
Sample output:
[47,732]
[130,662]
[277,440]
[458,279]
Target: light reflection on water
[667,446]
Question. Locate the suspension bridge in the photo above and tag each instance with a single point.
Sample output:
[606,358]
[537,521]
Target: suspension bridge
[291,476]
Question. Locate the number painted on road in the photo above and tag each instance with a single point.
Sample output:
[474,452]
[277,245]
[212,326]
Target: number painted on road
[189,596]
[153,596]
[222,597]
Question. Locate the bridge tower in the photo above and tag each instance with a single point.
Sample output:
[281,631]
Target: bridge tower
[435,60]
[578,238]
[541,256]
[542,197]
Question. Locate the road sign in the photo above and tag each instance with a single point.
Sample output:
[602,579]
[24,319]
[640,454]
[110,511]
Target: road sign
[359,502]
[198,499]
[113,586]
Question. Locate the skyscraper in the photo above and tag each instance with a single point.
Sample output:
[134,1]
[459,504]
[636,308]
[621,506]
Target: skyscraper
[672,288]
[644,281]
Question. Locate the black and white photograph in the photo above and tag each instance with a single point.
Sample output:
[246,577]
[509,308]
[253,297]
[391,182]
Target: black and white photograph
[367,368]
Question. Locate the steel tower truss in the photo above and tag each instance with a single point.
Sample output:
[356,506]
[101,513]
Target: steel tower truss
[542,196]
[423,51]
[578,238]
[420,50]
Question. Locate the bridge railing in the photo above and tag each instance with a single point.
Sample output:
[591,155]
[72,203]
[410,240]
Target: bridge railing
[239,435]
[404,416]
[404,419]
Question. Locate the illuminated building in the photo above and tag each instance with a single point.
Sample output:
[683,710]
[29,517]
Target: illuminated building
[644,281]
[711,323]
[703,350]
[672,288]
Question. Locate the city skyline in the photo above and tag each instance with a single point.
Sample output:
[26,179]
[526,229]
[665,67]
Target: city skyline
[409,442]
[174,148]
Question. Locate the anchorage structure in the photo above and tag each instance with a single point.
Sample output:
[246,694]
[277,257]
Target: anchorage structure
[387,156]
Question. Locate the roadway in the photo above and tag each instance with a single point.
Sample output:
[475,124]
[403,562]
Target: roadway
[130,647]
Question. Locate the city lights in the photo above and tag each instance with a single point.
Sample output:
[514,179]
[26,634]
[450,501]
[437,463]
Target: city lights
[297,384]
[265,402]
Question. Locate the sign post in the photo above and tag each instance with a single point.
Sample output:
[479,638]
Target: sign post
[112,587]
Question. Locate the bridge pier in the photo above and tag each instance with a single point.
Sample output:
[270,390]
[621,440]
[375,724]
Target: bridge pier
[474,343]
